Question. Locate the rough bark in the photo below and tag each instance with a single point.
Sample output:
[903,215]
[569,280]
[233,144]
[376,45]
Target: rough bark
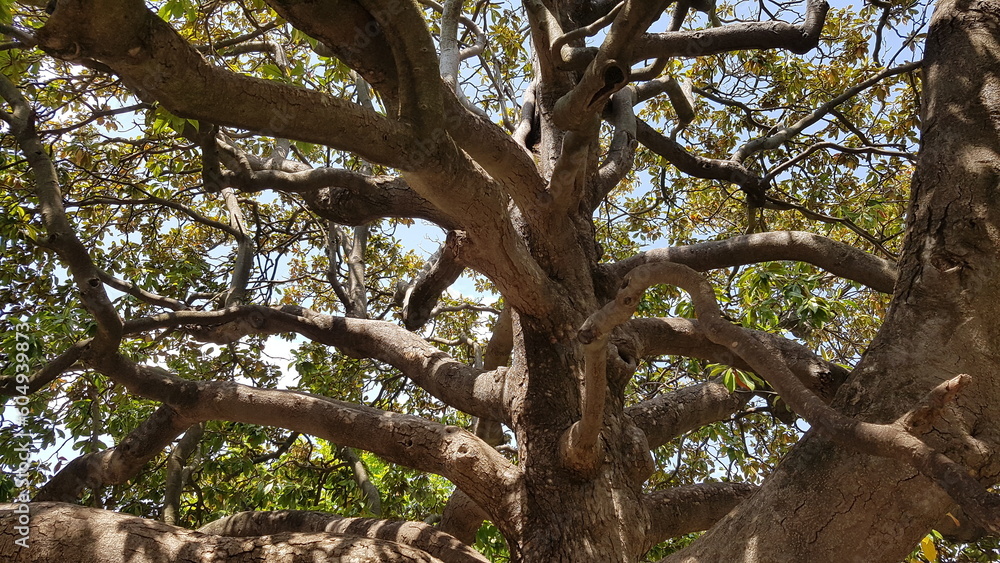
[61,531]
[937,327]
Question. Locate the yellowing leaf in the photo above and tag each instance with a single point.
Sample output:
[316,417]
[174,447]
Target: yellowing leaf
[928,549]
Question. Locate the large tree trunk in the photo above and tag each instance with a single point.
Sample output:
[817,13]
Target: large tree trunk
[829,503]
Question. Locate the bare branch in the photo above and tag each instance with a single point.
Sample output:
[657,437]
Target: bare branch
[736,37]
[841,148]
[407,440]
[581,32]
[120,463]
[682,510]
[787,132]
[417,534]
[140,293]
[697,166]
[465,388]
[56,525]
[419,297]
[837,258]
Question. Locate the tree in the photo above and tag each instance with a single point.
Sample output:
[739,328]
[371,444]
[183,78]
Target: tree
[183,180]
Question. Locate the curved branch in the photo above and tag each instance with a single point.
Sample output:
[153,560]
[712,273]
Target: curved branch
[53,526]
[344,196]
[60,233]
[139,293]
[835,257]
[693,165]
[668,416]
[582,32]
[117,464]
[176,463]
[419,297]
[155,61]
[687,337]
[897,440]
[470,390]
[621,153]
[838,147]
[610,69]
[417,534]
[407,440]
[736,37]
[47,374]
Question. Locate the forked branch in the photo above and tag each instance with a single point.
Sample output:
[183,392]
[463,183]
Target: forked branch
[895,440]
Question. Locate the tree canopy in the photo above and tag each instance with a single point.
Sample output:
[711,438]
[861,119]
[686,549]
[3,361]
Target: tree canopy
[558,280]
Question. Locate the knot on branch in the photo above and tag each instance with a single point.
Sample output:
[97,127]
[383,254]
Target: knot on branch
[922,418]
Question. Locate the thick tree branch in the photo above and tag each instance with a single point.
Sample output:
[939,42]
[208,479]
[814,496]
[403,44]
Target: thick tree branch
[682,510]
[99,536]
[835,257]
[665,417]
[465,388]
[419,297]
[154,60]
[120,463]
[343,196]
[462,517]
[407,440]
[886,440]
[736,37]
[177,473]
[361,43]
[416,534]
[686,337]
[610,69]
[670,415]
